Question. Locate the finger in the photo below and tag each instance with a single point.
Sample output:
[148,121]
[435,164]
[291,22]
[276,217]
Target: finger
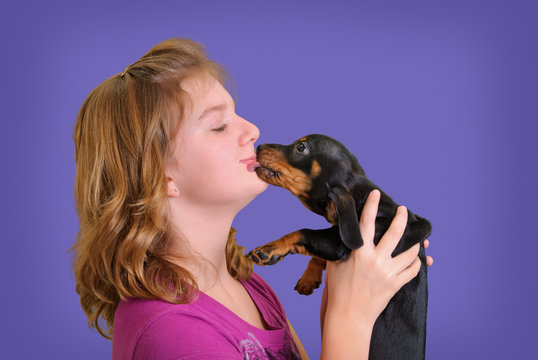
[368,215]
[410,273]
[394,233]
[323,307]
[405,259]
[429,259]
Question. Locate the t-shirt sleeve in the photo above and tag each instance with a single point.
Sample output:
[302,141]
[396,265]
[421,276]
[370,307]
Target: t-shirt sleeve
[180,336]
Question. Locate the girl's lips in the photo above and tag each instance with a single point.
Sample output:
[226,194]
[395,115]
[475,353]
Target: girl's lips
[249,159]
[251,163]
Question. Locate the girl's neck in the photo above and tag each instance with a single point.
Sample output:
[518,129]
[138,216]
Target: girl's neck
[199,243]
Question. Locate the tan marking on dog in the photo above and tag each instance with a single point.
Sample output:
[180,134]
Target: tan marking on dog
[332,215]
[303,201]
[295,180]
[288,242]
[316,169]
[285,245]
[290,178]
[312,276]
[303,139]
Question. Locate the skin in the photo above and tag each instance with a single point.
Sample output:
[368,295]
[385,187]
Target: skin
[208,186]
[212,187]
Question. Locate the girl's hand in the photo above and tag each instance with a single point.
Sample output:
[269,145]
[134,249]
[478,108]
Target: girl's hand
[323,309]
[363,285]
[429,259]
[357,290]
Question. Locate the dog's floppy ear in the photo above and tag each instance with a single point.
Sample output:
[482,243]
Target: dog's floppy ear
[348,222]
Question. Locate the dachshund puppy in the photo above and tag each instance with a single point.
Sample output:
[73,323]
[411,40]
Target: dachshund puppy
[328,180]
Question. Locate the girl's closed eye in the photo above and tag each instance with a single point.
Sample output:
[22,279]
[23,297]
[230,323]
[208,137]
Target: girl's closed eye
[221,128]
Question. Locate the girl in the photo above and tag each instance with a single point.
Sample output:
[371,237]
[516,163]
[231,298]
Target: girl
[163,165]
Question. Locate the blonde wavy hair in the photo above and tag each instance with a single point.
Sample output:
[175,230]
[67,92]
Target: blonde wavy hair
[123,137]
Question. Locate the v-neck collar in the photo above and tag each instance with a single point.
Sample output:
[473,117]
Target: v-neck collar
[255,300]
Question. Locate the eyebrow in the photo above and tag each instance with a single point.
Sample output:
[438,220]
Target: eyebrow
[213,108]
[219,107]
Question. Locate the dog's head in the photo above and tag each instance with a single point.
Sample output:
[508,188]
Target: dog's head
[318,170]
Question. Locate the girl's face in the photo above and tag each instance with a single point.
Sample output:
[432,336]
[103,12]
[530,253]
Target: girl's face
[209,147]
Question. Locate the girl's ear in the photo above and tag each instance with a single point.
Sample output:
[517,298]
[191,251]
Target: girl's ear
[173,191]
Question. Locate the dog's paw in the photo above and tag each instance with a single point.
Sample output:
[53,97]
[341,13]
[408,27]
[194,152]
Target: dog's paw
[268,254]
[306,285]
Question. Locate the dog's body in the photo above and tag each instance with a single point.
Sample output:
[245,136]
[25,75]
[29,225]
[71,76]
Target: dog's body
[329,181]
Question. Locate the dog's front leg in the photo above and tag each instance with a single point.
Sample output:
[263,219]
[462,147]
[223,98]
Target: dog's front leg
[273,252]
[324,243]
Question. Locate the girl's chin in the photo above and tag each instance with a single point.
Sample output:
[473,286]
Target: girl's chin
[263,185]
[259,187]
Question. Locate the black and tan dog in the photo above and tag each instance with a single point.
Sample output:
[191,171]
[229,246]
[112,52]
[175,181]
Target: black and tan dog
[329,181]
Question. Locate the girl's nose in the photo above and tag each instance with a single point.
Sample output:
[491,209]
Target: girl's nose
[250,134]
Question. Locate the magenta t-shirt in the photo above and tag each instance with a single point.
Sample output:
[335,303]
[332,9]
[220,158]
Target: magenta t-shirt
[202,329]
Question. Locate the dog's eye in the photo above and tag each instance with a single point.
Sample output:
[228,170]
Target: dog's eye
[301,147]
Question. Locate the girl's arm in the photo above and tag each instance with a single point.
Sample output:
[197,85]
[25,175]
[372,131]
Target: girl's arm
[358,289]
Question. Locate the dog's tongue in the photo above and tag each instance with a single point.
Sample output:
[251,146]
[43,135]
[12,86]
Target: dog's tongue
[253,165]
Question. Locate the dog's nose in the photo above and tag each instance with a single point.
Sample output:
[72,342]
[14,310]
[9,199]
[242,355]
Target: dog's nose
[260,148]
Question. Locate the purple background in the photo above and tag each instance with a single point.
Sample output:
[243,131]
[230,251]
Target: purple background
[438,101]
